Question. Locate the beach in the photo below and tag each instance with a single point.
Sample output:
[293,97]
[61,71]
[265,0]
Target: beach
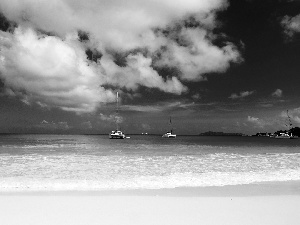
[261,204]
[92,180]
[128,112]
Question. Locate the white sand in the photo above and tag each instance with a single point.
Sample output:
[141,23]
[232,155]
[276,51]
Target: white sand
[144,209]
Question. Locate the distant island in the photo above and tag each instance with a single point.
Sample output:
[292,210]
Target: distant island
[212,133]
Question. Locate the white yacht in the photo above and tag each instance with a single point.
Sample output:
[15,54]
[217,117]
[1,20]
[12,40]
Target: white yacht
[117,134]
[169,134]
[287,134]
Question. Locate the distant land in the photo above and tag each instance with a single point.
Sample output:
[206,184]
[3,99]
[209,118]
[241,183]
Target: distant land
[212,133]
[295,131]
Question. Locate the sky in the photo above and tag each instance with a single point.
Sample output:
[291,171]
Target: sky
[211,65]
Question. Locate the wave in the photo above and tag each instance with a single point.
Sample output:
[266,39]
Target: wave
[148,182]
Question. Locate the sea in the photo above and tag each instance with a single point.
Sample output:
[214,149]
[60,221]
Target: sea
[97,163]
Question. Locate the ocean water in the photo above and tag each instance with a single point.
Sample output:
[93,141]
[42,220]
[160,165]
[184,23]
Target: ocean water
[94,162]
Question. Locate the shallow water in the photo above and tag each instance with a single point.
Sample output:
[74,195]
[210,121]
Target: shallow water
[94,162]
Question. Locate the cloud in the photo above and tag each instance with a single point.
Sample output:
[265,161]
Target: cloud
[138,72]
[165,106]
[257,122]
[198,56]
[268,122]
[241,95]
[277,93]
[266,105]
[44,60]
[252,119]
[53,126]
[50,71]
[118,24]
[196,96]
[291,25]
[113,118]
[142,108]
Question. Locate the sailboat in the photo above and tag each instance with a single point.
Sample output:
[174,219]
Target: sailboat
[117,134]
[169,134]
[287,134]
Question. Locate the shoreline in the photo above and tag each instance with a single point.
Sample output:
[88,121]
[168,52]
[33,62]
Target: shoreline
[243,190]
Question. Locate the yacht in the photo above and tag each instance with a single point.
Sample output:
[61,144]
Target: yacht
[287,134]
[117,134]
[169,134]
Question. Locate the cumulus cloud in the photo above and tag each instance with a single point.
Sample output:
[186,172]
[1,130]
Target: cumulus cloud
[111,118]
[139,72]
[242,94]
[291,25]
[266,105]
[252,119]
[257,122]
[44,61]
[277,93]
[197,56]
[143,108]
[50,71]
[118,24]
[164,106]
[53,126]
[196,96]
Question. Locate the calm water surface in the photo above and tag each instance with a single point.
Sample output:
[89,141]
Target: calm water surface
[94,162]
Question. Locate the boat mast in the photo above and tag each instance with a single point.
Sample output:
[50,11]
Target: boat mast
[171,125]
[117,113]
[289,120]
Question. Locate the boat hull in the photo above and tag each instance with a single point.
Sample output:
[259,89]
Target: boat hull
[117,136]
[286,137]
[169,136]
